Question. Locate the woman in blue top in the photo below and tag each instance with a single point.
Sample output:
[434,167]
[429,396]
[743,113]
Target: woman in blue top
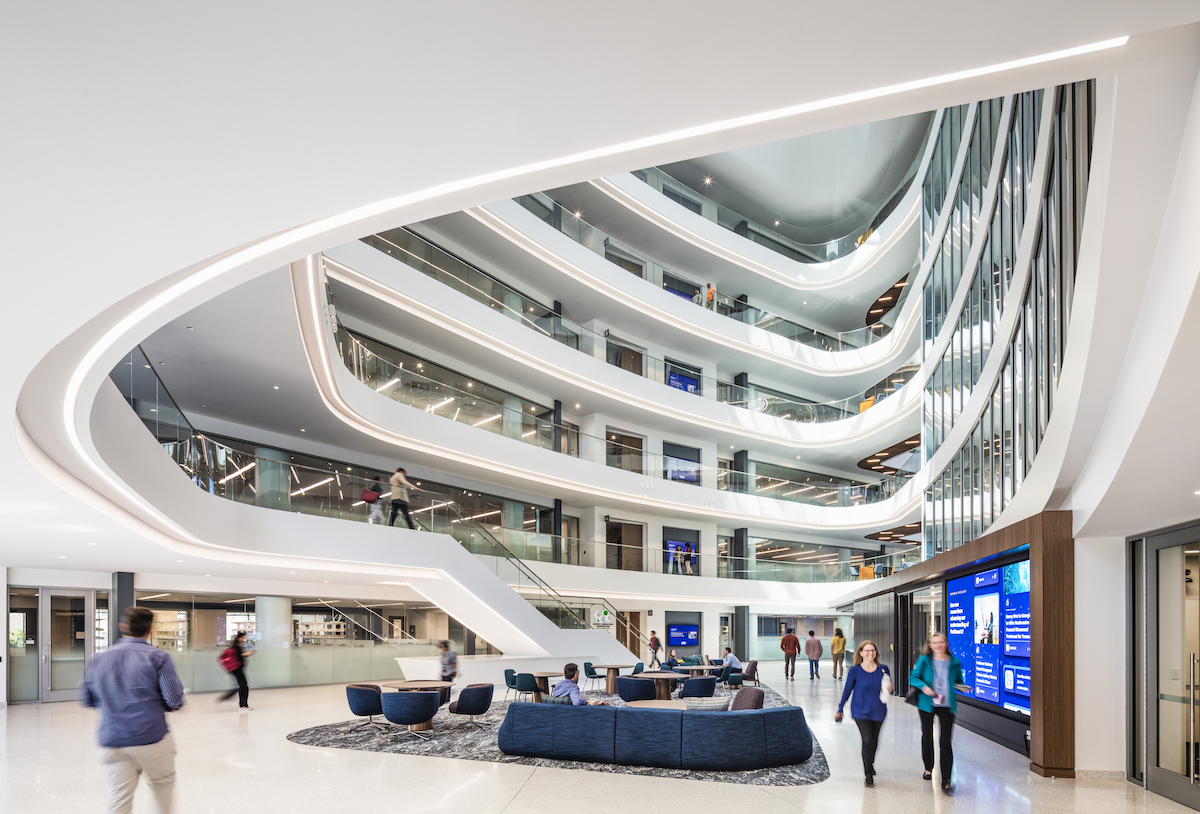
[935,674]
[867,680]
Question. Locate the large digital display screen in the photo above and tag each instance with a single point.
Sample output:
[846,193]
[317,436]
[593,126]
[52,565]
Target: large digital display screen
[681,470]
[681,381]
[988,629]
[683,635]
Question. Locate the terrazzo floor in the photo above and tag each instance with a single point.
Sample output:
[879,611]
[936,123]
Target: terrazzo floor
[230,761]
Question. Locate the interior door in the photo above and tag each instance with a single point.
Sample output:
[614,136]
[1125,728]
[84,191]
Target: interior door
[1173,665]
[68,635]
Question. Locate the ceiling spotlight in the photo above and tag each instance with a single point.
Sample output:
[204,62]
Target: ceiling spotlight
[578,213]
[190,328]
[578,406]
[276,387]
[776,223]
[707,181]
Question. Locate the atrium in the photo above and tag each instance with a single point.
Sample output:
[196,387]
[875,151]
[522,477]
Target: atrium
[429,404]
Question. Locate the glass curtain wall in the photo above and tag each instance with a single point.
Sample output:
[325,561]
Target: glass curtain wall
[989,467]
[951,382]
[941,171]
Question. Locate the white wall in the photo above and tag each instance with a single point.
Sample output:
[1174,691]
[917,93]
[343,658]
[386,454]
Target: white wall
[1100,654]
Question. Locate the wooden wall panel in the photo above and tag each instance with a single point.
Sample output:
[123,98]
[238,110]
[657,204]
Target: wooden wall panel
[1052,627]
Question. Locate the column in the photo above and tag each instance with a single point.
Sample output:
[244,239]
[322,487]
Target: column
[511,418]
[271,666]
[119,600]
[272,479]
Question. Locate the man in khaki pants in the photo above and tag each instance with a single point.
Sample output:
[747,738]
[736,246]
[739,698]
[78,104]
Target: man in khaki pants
[134,685]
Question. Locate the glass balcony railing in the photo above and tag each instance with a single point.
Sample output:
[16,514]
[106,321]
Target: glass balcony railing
[429,259]
[642,265]
[337,490]
[415,390]
[772,237]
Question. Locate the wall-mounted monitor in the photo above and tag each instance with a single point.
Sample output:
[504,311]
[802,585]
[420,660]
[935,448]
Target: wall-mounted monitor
[683,635]
[681,470]
[988,628]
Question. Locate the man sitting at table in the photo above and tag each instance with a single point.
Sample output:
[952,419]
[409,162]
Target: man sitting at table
[569,689]
[731,660]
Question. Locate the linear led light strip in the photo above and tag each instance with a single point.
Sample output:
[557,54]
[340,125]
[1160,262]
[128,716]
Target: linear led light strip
[291,237]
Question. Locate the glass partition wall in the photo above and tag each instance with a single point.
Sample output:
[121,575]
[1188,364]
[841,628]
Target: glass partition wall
[299,640]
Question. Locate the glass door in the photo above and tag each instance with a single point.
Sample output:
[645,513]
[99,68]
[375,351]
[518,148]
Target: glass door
[1173,665]
[67,637]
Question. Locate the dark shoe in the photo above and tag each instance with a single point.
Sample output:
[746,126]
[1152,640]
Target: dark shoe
[870,781]
[947,787]
[927,775]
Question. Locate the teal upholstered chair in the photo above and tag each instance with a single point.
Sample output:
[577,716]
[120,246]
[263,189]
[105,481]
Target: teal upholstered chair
[526,685]
[637,668]
[589,672]
[510,682]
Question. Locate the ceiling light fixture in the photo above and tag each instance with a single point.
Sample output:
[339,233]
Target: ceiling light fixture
[381,387]
[245,468]
[152,596]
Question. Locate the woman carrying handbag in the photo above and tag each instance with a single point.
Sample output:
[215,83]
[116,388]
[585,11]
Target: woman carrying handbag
[870,683]
[936,675]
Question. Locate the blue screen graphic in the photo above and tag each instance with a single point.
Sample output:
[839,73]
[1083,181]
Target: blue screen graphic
[683,635]
[682,382]
[988,629]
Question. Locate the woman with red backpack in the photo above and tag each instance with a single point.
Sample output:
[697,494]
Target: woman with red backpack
[233,659]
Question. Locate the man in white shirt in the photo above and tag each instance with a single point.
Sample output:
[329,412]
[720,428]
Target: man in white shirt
[400,489]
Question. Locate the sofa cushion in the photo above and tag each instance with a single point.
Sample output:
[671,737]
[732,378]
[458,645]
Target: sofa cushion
[550,699]
[718,703]
[528,729]
[583,733]
[787,736]
[723,742]
[649,737]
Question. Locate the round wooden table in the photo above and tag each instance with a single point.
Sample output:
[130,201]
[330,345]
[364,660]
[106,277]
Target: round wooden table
[663,679]
[418,685]
[543,681]
[657,704]
[614,670]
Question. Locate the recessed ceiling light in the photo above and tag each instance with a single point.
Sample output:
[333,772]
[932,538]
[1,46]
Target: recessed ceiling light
[92,543]
[208,575]
[577,406]
[190,328]
[578,213]
[776,223]
[303,430]
[178,560]
[707,180]
[62,556]
[276,387]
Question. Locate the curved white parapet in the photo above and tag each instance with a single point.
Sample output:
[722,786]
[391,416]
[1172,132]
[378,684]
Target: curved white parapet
[867,265]
[498,459]
[418,295]
[854,369]
[434,565]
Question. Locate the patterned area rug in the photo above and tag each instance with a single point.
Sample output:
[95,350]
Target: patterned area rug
[453,736]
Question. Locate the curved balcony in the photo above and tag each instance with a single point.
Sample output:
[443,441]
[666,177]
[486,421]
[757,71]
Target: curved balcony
[420,255]
[550,351]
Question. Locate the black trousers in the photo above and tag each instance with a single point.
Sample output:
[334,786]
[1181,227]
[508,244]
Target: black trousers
[870,738]
[789,664]
[242,690]
[401,506]
[945,733]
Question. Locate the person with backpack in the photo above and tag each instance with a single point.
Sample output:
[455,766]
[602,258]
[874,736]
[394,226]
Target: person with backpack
[655,646]
[233,659]
[370,496]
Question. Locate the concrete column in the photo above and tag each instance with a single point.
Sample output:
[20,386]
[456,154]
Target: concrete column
[272,479]
[271,666]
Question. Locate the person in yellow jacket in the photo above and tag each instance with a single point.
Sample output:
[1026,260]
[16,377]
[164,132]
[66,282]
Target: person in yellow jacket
[837,649]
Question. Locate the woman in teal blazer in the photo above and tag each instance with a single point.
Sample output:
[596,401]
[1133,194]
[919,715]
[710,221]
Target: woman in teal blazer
[936,674]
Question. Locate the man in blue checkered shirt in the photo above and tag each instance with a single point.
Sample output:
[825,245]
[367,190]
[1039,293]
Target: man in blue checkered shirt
[134,685]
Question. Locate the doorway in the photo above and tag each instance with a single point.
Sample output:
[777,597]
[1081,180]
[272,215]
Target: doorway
[52,635]
[629,630]
[623,546]
[1172,665]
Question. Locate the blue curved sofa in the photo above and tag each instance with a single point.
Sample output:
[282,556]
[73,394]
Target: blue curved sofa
[667,738]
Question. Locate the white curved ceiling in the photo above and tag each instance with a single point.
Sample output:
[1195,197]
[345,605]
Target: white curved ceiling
[819,187]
